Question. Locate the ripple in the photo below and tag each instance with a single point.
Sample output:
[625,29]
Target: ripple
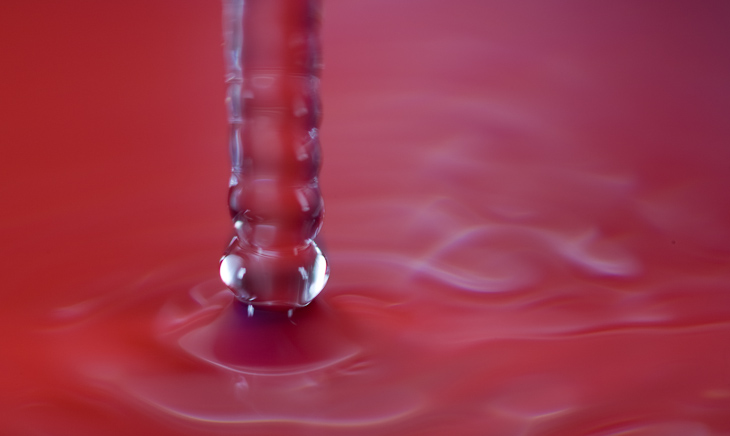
[668,428]
[269,343]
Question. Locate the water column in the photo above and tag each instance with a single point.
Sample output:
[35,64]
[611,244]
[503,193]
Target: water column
[273,64]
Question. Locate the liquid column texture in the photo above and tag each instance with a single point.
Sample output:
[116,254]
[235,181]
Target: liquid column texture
[272,54]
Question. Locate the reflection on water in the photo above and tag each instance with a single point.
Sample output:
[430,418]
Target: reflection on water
[527,230]
[523,329]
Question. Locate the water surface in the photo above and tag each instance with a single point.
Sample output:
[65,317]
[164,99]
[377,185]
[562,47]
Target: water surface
[527,222]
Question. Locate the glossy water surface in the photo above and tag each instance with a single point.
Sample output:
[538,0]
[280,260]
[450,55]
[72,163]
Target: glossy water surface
[527,225]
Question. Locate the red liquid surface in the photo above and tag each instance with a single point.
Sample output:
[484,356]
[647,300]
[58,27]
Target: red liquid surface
[527,225]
